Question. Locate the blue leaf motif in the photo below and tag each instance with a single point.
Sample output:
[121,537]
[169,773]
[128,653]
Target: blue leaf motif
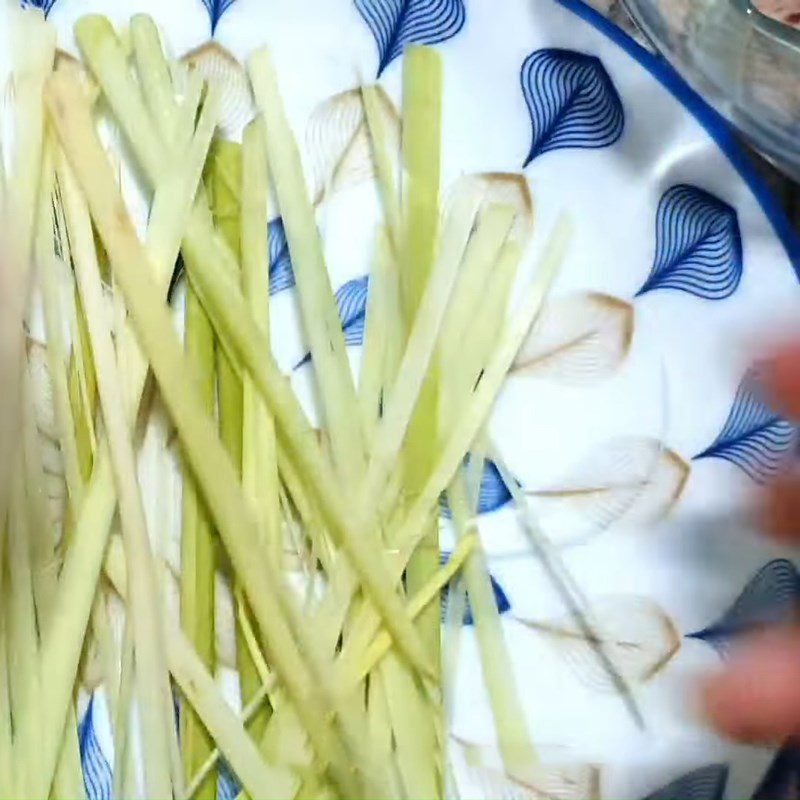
[782,781]
[351,300]
[500,597]
[770,597]
[281,274]
[228,786]
[97,776]
[216,8]
[44,5]
[493,494]
[754,437]
[571,100]
[705,783]
[397,23]
[698,245]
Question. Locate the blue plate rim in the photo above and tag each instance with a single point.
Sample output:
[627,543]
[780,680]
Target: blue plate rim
[714,123]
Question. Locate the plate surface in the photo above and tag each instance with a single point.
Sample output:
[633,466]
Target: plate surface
[636,402]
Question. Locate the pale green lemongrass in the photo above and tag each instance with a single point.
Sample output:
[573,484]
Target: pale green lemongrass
[198,685]
[213,469]
[23,669]
[372,655]
[371,384]
[511,727]
[197,585]
[422,121]
[154,76]
[406,532]
[320,316]
[63,638]
[144,612]
[385,169]
[234,324]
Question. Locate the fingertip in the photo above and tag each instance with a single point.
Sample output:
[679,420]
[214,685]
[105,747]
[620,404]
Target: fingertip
[779,508]
[780,377]
[756,698]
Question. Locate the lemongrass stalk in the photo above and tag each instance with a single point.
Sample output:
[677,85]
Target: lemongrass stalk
[8,782]
[422,119]
[480,338]
[223,179]
[68,781]
[407,397]
[199,688]
[385,169]
[259,446]
[21,621]
[211,465]
[371,656]
[370,384]
[56,352]
[406,532]
[320,315]
[211,276]
[62,643]
[474,278]
[511,727]
[197,591]
[147,631]
[154,75]
[123,757]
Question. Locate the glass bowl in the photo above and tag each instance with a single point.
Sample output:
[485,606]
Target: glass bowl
[746,64]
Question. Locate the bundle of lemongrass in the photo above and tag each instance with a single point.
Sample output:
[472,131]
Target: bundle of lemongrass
[341,685]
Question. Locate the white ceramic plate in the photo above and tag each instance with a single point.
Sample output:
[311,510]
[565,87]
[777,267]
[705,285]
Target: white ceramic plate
[635,402]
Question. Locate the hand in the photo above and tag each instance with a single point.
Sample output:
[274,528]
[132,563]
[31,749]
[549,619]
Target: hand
[756,698]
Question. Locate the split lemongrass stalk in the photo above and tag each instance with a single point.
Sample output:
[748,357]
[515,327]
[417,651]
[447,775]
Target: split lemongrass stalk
[422,128]
[386,169]
[63,638]
[197,595]
[320,315]
[233,515]
[260,779]
[406,531]
[211,265]
[259,446]
[145,615]
[376,650]
[511,727]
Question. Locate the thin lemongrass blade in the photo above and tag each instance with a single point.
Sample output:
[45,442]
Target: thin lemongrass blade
[107,60]
[197,592]
[422,121]
[22,652]
[62,642]
[259,778]
[56,351]
[154,75]
[320,316]
[370,384]
[385,169]
[146,619]
[259,447]
[425,596]
[407,392]
[211,464]
[511,727]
